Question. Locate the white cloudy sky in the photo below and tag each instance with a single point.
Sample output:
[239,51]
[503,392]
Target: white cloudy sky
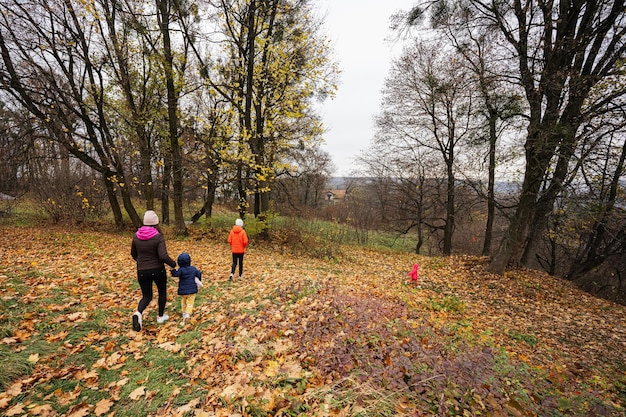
[359,32]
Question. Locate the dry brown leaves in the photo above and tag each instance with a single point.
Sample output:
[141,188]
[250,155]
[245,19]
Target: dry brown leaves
[254,344]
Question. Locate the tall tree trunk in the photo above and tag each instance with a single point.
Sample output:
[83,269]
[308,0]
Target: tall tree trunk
[242,205]
[262,195]
[491,199]
[172,112]
[513,243]
[596,249]
[137,125]
[249,93]
[112,196]
[165,188]
[450,212]
[545,204]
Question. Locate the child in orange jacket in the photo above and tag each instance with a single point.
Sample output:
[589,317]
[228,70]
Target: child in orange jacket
[238,240]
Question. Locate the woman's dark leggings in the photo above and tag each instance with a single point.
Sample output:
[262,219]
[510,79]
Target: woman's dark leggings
[146,278]
[237,258]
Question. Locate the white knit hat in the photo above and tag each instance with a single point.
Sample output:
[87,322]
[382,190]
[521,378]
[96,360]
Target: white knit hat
[239,222]
[150,218]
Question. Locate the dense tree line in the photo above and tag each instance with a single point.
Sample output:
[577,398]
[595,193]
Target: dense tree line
[528,92]
[161,99]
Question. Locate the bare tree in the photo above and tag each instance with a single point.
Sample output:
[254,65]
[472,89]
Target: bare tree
[427,103]
[562,50]
[48,68]
[125,31]
[404,190]
[300,188]
[600,202]
[498,104]
[166,12]
[17,140]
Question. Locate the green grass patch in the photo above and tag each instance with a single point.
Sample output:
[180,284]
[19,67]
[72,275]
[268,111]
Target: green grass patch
[12,366]
[529,339]
[316,238]
[448,304]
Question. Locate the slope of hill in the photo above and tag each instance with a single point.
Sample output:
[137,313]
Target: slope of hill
[298,336]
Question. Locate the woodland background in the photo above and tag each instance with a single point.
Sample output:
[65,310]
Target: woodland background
[500,133]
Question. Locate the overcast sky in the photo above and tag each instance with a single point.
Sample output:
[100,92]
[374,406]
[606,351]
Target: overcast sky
[359,33]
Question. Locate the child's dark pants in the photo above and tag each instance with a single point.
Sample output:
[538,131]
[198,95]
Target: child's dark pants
[237,258]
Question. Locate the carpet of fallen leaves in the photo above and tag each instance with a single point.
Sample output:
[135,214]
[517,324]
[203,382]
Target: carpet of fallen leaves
[300,336]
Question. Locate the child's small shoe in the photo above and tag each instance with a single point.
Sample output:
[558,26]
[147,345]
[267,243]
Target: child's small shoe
[230,278]
[240,276]
[162,319]
[137,321]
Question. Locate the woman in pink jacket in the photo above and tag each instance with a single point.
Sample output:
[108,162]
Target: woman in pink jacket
[238,240]
[149,250]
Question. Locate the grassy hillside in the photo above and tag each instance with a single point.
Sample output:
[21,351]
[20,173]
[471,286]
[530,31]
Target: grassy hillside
[336,335]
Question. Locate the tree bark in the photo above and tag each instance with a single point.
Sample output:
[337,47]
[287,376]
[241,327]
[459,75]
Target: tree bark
[172,113]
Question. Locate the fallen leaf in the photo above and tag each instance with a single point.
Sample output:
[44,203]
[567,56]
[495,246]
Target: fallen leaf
[45,410]
[271,369]
[137,393]
[15,389]
[188,407]
[79,410]
[78,316]
[17,409]
[4,401]
[83,374]
[57,337]
[171,347]
[103,406]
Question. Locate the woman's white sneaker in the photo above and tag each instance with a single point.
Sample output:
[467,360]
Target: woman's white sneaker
[137,321]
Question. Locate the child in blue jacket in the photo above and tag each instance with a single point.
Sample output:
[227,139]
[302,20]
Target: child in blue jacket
[189,280]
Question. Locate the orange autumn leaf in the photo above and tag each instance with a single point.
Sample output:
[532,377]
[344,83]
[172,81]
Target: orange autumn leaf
[65,398]
[103,406]
[137,393]
[171,347]
[57,337]
[79,410]
[14,390]
[85,375]
[4,401]
[45,410]
[16,410]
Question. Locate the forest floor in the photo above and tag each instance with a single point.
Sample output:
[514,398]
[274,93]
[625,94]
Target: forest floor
[348,336]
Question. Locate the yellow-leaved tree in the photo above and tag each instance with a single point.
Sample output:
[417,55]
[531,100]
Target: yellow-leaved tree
[271,66]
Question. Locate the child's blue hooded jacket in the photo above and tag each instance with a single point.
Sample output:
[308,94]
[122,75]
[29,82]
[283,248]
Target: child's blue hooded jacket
[187,275]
